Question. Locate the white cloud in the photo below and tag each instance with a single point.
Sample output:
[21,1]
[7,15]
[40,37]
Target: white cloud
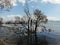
[22,1]
[7,4]
[14,2]
[34,0]
[51,1]
[53,18]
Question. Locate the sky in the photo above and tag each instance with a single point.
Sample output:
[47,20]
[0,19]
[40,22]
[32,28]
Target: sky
[50,8]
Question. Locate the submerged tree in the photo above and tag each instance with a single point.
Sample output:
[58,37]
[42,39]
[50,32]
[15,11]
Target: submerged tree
[32,24]
[39,18]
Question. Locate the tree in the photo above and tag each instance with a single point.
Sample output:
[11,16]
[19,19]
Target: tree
[32,25]
[39,18]
[17,19]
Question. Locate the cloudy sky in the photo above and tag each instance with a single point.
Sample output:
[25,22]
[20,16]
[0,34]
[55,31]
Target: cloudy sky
[51,8]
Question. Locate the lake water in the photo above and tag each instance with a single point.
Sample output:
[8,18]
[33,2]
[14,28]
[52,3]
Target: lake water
[52,37]
[54,25]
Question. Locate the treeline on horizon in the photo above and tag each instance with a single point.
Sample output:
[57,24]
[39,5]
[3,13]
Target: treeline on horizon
[17,20]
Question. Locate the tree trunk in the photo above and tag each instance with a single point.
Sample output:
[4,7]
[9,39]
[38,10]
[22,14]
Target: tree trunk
[36,40]
[28,34]
[31,34]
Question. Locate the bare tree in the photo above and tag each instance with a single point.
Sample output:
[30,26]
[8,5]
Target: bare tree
[33,23]
[39,18]
[17,19]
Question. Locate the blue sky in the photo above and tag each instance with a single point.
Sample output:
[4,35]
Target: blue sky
[51,8]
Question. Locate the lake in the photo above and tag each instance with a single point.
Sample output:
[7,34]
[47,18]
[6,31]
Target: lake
[54,25]
[54,35]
